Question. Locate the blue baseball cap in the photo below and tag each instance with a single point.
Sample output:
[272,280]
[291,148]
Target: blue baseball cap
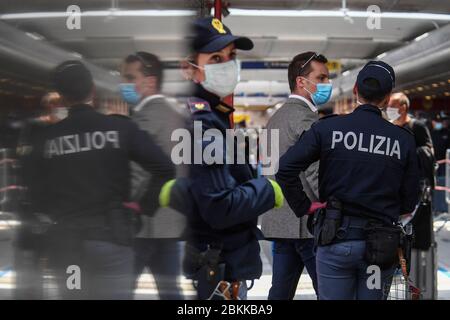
[211,35]
[73,80]
[380,71]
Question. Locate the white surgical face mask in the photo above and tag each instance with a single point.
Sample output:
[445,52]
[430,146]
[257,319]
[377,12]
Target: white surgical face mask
[60,113]
[392,113]
[221,78]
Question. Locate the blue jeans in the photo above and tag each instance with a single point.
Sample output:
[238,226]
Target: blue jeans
[290,257]
[343,273]
[106,269]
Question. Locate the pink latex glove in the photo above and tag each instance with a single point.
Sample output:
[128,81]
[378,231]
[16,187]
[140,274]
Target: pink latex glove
[316,205]
[133,205]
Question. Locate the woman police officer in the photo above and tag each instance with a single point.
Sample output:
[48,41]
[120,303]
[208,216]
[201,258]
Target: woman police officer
[223,229]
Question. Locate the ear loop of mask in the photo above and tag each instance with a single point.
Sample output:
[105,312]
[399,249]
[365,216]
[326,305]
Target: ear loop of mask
[310,93]
[359,103]
[305,88]
[195,65]
[310,82]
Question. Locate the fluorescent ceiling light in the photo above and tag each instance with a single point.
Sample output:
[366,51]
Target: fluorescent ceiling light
[77,55]
[34,36]
[300,38]
[338,13]
[381,56]
[103,13]
[233,12]
[423,36]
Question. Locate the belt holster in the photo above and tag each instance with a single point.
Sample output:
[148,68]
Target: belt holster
[206,269]
[209,279]
[331,225]
[326,223]
[382,243]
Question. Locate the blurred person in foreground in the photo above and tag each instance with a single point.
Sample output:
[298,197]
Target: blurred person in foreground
[29,255]
[157,245]
[81,185]
[222,249]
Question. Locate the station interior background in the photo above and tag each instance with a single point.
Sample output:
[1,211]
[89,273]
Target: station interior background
[413,36]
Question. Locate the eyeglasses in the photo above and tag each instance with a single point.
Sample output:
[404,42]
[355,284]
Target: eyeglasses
[314,56]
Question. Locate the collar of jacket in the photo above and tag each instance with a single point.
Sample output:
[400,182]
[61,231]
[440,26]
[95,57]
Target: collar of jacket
[303,101]
[213,100]
[144,101]
[369,108]
[76,108]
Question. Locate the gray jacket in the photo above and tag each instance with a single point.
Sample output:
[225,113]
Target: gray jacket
[292,119]
[159,118]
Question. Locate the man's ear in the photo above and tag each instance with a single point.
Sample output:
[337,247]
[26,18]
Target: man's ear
[150,82]
[355,90]
[299,82]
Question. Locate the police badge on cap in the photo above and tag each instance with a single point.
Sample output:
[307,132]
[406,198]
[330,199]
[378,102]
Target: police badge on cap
[211,35]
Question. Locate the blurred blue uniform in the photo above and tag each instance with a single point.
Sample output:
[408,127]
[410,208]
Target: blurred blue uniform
[370,165]
[365,161]
[80,180]
[227,198]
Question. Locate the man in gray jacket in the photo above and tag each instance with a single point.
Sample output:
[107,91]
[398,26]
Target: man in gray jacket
[157,245]
[292,243]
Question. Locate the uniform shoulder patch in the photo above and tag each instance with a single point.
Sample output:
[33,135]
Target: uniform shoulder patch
[198,105]
[328,116]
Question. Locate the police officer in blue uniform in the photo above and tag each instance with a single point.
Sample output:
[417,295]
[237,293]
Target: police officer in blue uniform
[81,180]
[223,241]
[368,177]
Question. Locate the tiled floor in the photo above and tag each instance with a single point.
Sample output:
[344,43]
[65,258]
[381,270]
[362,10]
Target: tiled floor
[147,288]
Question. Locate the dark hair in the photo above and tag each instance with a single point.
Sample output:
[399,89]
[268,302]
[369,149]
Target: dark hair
[374,95]
[150,65]
[73,80]
[301,66]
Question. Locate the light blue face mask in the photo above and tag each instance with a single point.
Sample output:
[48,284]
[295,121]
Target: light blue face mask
[322,94]
[129,94]
[438,126]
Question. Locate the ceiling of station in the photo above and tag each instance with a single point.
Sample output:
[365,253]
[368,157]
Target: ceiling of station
[432,6]
[106,39]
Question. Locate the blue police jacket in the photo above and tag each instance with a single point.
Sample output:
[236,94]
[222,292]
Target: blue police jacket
[227,198]
[81,166]
[366,162]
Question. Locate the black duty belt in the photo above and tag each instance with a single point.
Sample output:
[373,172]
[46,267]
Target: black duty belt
[352,228]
